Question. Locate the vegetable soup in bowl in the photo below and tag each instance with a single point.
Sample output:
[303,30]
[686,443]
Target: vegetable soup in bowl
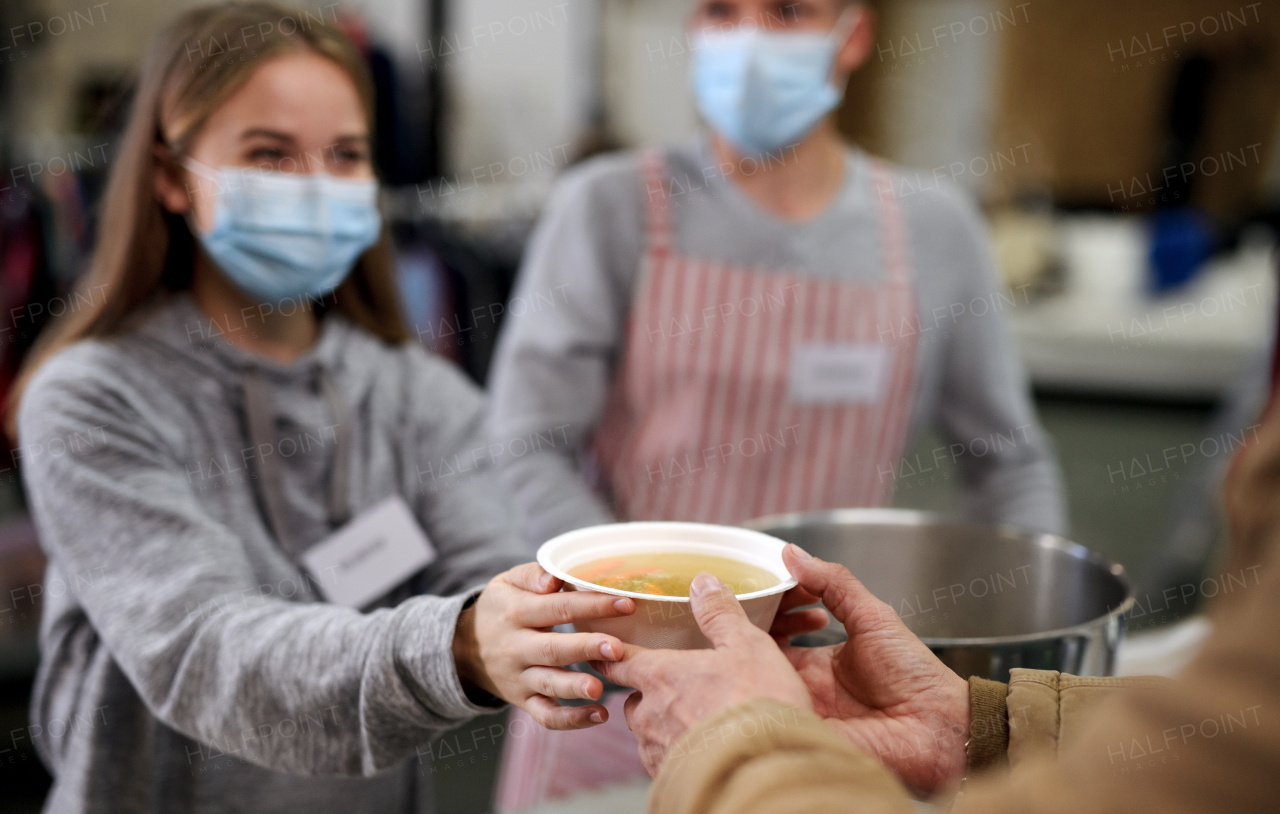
[654,563]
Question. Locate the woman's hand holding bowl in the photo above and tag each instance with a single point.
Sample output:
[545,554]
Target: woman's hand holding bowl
[505,646]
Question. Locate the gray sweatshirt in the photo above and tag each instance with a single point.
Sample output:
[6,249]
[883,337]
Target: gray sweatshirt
[563,340]
[187,663]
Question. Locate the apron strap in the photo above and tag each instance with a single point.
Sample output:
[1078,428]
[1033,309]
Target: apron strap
[339,505]
[653,178]
[891,222]
[260,414]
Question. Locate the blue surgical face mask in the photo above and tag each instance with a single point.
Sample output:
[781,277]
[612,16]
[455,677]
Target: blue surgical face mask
[766,90]
[281,236]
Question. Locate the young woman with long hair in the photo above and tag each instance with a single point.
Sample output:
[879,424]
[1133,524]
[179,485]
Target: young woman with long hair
[234,400]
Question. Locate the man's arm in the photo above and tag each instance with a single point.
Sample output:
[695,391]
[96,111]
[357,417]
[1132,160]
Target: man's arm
[558,349]
[1110,745]
[1007,464]
[1208,741]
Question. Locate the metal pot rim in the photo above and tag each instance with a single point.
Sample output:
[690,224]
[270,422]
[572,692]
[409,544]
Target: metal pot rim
[912,517]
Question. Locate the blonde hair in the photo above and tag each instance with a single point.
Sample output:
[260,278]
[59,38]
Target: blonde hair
[144,252]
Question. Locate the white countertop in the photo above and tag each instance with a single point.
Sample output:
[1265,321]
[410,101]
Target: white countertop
[1104,334]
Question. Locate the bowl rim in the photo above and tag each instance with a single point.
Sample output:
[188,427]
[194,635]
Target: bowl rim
[544,561]
[1041,539]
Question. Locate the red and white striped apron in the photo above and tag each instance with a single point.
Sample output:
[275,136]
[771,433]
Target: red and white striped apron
[703,423]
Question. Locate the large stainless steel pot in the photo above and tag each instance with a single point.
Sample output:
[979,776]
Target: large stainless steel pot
[984,598]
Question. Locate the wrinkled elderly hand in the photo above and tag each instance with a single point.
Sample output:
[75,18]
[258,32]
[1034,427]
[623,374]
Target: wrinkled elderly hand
[678,688]
[883,690]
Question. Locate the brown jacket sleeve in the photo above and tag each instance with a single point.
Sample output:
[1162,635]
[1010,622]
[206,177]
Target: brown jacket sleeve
[1208,741]
[1049,710]
[762,758]
[1034,715]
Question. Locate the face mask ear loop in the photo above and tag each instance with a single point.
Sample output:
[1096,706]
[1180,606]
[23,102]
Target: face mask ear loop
[845,24]
[325,183]
[209,174]
[201,169]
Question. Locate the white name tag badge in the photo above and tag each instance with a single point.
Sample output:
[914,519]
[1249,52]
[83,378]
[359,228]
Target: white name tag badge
[838,372]
[373,553]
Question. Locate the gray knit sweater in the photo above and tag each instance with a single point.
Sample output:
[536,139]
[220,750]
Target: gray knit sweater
[187,663]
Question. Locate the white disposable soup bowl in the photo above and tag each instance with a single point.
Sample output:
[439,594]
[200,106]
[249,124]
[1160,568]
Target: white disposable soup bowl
[666,621]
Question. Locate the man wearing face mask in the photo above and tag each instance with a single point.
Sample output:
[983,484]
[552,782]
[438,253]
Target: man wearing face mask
[757,321]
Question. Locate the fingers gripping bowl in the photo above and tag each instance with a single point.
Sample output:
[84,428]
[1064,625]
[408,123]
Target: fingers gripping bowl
[666,621]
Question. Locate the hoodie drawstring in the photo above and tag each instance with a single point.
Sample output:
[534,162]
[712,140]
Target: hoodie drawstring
[260,412]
